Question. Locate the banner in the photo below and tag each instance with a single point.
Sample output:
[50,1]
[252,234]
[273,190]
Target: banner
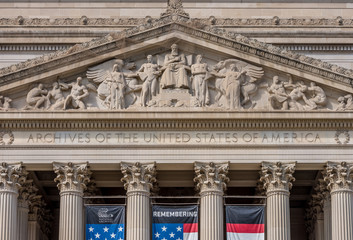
[105,222]
[245,222]
[175,222]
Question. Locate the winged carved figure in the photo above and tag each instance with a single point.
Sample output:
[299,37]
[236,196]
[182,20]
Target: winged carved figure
[250,74]
[115,80]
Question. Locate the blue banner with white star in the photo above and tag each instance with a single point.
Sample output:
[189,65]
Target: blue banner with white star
[105,222]
[175,222]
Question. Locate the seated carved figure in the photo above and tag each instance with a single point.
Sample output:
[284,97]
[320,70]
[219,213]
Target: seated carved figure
[78,92]
[318,97]
[57,95]
[36,98]
[278,95]
[174,75]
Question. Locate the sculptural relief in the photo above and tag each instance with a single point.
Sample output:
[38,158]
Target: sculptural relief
[345,103]
[5,103]
[178,80]
[292,96]
[148,73]
[174,70]
[201,74]
[37,98]
[236,80]
[78,93]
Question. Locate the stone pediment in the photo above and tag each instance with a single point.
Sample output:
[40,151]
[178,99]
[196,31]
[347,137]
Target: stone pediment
[235,73]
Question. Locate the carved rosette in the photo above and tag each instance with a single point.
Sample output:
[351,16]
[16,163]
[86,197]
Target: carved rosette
[211,177]
[138,177]
[11,176]
[339,176]
[277,176]
[72,177]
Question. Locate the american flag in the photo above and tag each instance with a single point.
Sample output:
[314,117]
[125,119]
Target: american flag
[105,231]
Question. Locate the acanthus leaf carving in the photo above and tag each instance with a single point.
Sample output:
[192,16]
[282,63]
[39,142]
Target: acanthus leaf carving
[72,177]
[211,176]
[277,175]
[138,176]
[339,176]
[11,177]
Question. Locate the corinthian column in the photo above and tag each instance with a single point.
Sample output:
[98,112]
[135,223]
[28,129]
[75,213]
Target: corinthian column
[339,177]
[277,178]
[10,175]
[138,181]
[72,180]
[211,179]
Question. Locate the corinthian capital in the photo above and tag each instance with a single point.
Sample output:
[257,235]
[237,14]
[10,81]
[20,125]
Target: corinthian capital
[72,177]
[138,176]
[338,176]
[277,176]
[27,192]
[211,176]
[11,176]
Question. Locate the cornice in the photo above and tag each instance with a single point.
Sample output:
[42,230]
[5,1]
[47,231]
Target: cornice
[168,24]
[183,121]
[130,22]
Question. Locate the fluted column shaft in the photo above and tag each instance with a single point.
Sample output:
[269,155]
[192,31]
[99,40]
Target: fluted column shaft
[278,215]
[138,216]
[277,179]
[342,214]
[139,179]
[72,181]
[33,230]
[327,219]
[8,215]
[319,227]
[211,218]
[211,179]
[339,177]
[71,216]
[22,220]
[10,176]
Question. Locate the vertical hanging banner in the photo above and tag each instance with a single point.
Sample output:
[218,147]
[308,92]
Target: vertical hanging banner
[245,222]
[105,222]
[175,222]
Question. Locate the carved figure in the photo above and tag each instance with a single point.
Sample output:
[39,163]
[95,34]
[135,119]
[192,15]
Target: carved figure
[57,95]
[296,95]
[78,92]
[232,83]
[278,95]
[114,84]
[349,102]
[36,98]
[6,105]
[148,74]
[200,72]
[345,103]
[248,83]
[318,97]
[174,75]
[341,104]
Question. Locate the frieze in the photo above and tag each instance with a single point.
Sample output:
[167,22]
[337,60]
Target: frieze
[170,23]
[176,138]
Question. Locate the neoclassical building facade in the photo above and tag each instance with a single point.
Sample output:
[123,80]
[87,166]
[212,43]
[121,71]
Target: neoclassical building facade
[164,102]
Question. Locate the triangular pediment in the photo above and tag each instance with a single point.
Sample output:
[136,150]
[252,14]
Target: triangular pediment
[303,84]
